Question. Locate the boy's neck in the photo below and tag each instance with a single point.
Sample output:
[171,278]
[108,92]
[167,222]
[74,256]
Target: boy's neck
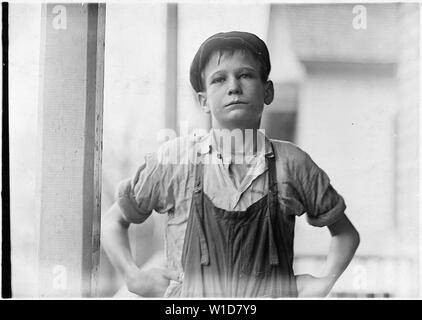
[238,141]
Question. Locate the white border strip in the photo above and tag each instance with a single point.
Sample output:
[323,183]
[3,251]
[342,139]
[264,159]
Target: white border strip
[240,2]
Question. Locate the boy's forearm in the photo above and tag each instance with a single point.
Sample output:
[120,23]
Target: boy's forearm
[344,242]
[115,241]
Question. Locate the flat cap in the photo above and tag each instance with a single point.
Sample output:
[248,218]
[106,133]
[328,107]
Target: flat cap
[225,40]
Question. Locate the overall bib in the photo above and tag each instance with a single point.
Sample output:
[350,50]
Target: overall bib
[237,253]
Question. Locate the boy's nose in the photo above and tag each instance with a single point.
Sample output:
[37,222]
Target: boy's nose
[234,87]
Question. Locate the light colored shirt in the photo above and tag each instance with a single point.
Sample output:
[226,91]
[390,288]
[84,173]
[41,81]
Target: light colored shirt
[164,182]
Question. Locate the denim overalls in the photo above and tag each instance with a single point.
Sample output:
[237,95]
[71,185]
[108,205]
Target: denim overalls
[238,253]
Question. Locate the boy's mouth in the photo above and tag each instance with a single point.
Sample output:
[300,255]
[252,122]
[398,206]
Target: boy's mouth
[235,102]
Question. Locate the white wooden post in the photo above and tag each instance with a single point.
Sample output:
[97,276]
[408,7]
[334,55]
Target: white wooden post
[70,120]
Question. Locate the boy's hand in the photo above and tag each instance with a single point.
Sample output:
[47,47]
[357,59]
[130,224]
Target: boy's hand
[152,282]
[309,286]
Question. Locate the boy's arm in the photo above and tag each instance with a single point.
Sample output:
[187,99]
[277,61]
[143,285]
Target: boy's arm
[115,240]
[344,242]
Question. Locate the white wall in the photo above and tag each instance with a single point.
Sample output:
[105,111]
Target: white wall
[24,54]
[346,124]
[134,80]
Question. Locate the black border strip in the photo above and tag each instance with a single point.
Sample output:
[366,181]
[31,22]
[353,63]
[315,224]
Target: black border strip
[6,284]
[256,309]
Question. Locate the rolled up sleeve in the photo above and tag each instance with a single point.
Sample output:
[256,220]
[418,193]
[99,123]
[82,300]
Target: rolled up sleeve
[147,190]
[322,203]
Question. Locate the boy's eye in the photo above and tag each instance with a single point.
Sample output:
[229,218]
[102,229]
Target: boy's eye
[217,80]
[245,75]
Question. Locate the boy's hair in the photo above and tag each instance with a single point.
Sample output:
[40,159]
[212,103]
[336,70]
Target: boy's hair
[229,42]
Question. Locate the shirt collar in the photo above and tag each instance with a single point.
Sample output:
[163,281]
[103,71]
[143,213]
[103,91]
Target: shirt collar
[208,144]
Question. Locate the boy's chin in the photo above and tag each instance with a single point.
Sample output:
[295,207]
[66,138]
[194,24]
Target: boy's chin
[240,120]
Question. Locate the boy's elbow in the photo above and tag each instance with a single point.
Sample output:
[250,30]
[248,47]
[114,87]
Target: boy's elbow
[114,217]
[345,227]
[355,237]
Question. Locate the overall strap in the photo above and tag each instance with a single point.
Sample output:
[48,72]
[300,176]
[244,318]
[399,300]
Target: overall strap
[198,195]
[272,175]
[272,205]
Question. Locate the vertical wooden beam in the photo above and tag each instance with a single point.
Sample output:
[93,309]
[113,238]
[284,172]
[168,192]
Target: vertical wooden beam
[71,99]
[171,67]
[93,144]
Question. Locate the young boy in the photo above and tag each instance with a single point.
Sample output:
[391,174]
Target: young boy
[231,207]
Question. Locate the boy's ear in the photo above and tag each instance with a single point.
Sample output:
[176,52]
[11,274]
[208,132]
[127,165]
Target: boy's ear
[269,92]
[202,98]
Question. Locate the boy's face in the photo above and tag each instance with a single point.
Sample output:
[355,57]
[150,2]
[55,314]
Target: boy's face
[234,91]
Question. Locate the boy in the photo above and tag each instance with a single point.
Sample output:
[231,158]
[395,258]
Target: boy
[231,207]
